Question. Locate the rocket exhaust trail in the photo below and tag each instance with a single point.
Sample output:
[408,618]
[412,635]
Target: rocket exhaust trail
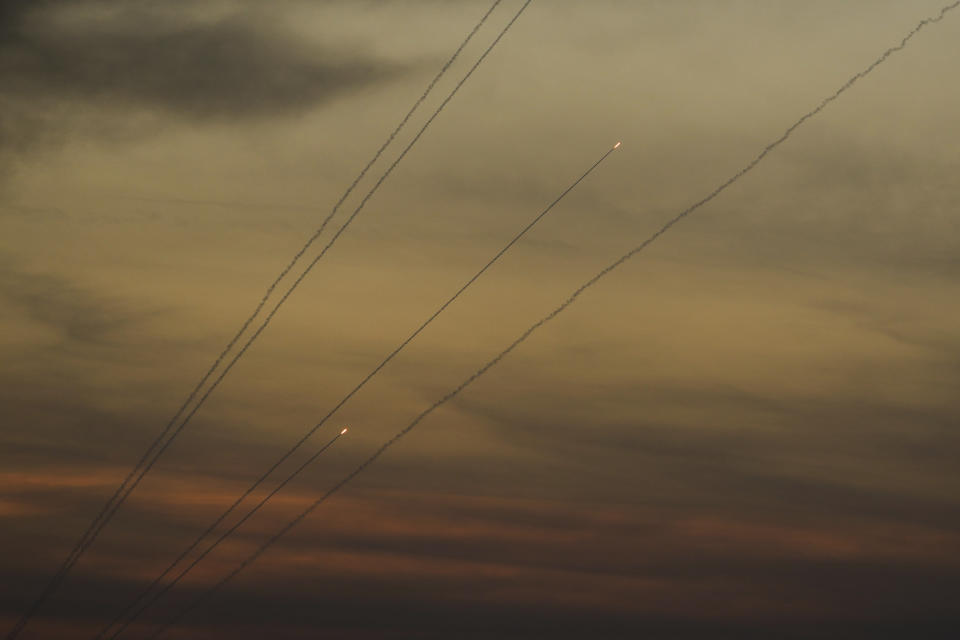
[159,594]
[550,316]
[346,398]
[289,291]
[124,490]
[119,496]
[296,283]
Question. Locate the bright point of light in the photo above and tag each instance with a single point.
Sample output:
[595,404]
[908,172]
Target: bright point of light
[343,431]
[617,146]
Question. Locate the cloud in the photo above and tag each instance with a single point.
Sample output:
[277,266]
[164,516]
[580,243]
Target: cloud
[69,66]
[73,312]
[457,563]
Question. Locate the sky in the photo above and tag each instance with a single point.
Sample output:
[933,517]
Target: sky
[748,430]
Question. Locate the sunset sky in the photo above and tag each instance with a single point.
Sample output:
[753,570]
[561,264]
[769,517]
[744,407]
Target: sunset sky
[751,429]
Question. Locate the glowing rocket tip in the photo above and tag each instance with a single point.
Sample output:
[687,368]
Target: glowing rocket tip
[617,146]
[343,431]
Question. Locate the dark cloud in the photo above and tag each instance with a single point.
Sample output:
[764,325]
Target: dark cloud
[75,313]
[841,203]
[743,450]
[64,62]
[899,323]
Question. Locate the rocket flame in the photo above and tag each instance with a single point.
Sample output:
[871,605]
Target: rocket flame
[343,431]
[617,146]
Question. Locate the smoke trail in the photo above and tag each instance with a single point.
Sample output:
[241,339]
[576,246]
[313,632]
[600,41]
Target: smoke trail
[332,411]
[106,513]
[547,318]
[300,278]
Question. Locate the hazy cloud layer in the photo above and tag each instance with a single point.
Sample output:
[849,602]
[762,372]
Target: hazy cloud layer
[749,431]
[486,563]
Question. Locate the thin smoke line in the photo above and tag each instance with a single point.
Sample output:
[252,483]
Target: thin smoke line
[550,316]
[119,496]
[357,388]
